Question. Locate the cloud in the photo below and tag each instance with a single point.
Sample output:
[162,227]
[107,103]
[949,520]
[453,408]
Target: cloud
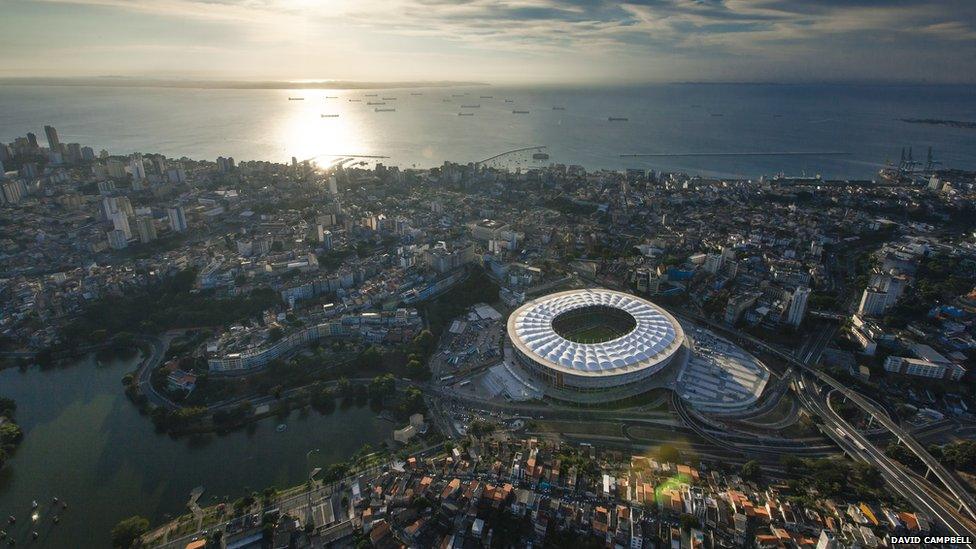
[631,33]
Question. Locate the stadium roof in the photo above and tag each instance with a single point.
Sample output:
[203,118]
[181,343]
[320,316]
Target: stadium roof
[656,336]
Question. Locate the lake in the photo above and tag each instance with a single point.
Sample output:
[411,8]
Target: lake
[87,444]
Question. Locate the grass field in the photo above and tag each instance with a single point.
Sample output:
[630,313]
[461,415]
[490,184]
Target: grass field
[594,334]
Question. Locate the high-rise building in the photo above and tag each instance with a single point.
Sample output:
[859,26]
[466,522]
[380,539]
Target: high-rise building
[176,174]
[146,228]
[121,223]
[177,219]
[117,240]
[32,140]
[137,168]
[873,302]
[14,191]
[53,142]
[333,185]
[115,168]
[713,262]
[798,306]
[225,165]
[73,151]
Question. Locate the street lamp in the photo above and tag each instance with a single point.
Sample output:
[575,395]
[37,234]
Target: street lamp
[308,488]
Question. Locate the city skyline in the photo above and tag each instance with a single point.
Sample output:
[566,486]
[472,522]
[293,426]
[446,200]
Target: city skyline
[529,41]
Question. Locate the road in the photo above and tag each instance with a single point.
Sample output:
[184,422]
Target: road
[856,445]
[143,375]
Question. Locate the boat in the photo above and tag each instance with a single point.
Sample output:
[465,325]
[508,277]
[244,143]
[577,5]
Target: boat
[559,108]
[540,156]
[465,114]
[355,100]
[375,103]
[509,100]
[281,428]
[470,106]
[296,99]
[520,112]
[384,110]
[389,99]
[415,93]
[332,97]
[617,119]
[369,95]
[329,115]
[486,97]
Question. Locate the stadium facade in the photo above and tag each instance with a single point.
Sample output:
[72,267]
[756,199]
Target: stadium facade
[595,345]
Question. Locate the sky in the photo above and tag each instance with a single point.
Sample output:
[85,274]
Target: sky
[498,42]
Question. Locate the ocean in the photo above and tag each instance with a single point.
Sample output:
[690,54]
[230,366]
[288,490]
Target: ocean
[736,120]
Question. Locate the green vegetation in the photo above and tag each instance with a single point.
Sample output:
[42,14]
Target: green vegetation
[10,432]
[477,288]
[127,532]
[840,478]
[939,279]
[166,305]
[480,428]
[751,470]
[960,455]
[567,206]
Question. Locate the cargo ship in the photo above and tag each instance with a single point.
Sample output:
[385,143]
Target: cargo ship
[329,115]
[540,156]
[559,108]
[377,109]
[375,103]
[520,112]
[470,106]
[296,99]
[465,114]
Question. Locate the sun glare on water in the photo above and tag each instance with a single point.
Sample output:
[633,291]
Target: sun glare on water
[317,125]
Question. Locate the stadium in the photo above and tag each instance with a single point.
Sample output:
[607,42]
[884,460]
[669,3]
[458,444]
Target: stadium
[595,345]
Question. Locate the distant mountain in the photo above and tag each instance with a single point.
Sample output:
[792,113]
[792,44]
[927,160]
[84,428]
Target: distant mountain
[127,82]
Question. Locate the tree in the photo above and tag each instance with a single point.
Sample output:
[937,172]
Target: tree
[10,434]
[382,386]
[668,453]
[370,359]
[275,334]
[417,370]
[751,470]
[128,531]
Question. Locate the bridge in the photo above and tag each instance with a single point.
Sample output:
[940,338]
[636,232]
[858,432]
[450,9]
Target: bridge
[493,161]
[965,499]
